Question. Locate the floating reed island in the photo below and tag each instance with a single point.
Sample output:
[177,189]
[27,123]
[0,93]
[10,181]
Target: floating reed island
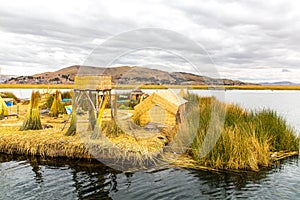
[246,140]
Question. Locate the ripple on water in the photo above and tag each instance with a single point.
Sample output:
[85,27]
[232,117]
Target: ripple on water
[163,184]
[35,179]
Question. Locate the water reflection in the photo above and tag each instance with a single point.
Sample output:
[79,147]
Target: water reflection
[34,162]
[68,179]
[33,178]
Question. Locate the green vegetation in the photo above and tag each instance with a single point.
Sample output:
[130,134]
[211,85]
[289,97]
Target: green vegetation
[32,120]
[247,138]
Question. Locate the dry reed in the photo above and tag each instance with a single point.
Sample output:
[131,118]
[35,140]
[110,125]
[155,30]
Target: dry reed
[246,139]
[32,120]
[46,143]
[56,107]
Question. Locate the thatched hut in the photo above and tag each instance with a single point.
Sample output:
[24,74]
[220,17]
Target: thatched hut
[163,107]
[136,94]
[135,97]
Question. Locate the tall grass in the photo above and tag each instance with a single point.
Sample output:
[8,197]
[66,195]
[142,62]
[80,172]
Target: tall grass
[246,139]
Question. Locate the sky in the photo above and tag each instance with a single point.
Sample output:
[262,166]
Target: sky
[248,40]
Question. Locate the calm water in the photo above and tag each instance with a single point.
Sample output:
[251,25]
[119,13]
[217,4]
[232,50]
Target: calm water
[286,103]
[34,178]
[26,93]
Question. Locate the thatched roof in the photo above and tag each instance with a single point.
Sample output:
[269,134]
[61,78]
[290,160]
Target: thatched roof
[166,99]
[90,82]
[171,97]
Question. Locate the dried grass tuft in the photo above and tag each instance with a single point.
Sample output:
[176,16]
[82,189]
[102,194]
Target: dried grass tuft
[246,139]
[56,107]
[32,120]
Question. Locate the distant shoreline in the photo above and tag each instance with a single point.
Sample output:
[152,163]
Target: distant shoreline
[199,87]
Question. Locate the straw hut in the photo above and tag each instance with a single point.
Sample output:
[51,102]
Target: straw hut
[163,107]
[136,94]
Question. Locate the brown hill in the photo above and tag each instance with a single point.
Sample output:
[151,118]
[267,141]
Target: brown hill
[123,75]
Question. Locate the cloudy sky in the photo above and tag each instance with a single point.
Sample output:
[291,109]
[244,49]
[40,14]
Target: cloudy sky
[250,40]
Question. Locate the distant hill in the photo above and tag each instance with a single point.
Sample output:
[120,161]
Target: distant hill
[123,75]
[4,78]
[62,76]
[284,83]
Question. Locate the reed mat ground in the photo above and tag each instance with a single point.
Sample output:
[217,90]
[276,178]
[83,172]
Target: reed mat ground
[52,142]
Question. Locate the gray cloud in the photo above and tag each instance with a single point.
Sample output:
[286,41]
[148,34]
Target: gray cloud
[247,40]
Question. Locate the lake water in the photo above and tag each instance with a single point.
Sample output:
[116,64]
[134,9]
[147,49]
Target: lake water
[35,178]
[285,102]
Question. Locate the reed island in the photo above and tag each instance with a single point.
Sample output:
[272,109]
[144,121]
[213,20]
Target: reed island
[182,129]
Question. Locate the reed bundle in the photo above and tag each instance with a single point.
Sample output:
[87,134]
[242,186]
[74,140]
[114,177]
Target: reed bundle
[32,120]
[57,107]
[73,124]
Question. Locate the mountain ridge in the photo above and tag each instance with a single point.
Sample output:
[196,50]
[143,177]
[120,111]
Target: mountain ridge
[129,75]
[284,83]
